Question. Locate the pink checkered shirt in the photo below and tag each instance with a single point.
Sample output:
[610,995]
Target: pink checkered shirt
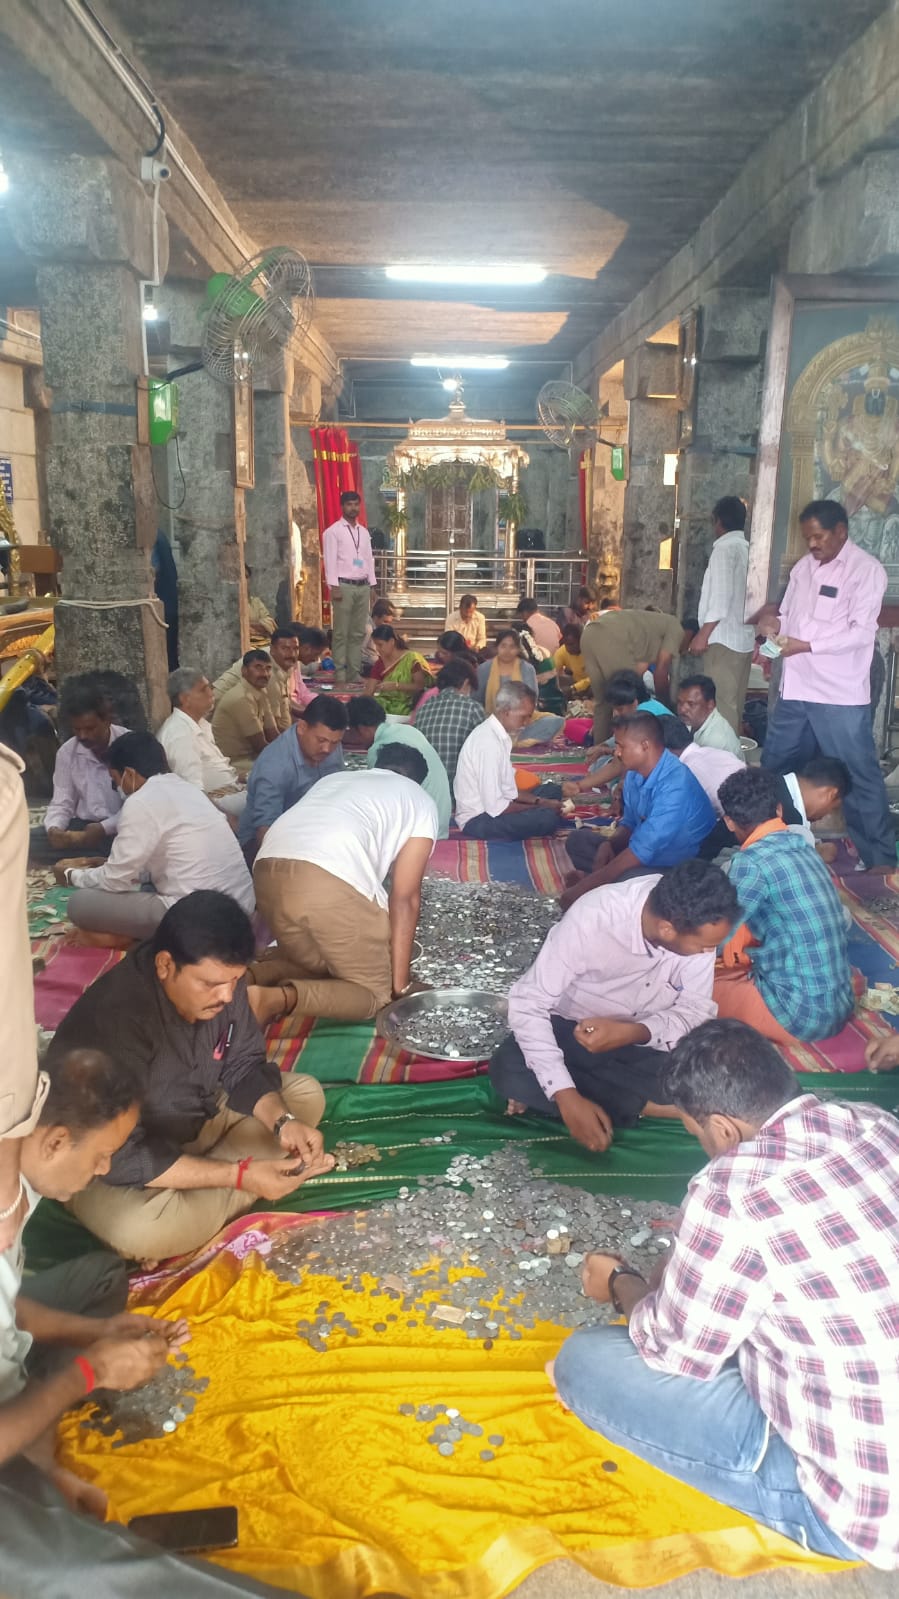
[787,1257]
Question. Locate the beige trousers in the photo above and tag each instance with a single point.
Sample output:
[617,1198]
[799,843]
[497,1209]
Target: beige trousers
[22,1091]
[349,618]
[154,1223]
[333,943]
[729,671]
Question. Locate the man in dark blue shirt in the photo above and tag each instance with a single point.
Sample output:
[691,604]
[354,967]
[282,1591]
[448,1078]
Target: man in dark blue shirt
[665,818]
[290,765]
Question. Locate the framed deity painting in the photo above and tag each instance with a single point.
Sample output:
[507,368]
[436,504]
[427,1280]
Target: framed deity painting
[830,423]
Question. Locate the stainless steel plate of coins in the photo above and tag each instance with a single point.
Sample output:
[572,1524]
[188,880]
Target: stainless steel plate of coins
[464,1024]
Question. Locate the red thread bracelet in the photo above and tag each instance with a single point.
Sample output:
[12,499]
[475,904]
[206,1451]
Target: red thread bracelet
[87,1372]
[241,1169]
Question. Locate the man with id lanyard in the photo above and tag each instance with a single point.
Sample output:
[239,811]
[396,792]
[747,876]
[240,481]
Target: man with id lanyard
[825,631]
[350,575]
[219,1128]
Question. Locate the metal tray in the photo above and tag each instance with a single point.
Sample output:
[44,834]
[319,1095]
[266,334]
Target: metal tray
[392,1020]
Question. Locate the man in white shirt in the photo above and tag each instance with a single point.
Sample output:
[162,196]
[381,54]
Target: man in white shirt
[697,707]
[470,623]
[710,766]
[488,804]
[725,640]
[171,839]
[344,946]
[83,813]
[191,750]
[350,576]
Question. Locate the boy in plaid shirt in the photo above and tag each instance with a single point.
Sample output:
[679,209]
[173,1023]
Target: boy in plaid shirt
[763,1366]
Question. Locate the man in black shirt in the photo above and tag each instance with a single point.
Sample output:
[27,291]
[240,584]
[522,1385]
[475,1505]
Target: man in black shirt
[219,1126]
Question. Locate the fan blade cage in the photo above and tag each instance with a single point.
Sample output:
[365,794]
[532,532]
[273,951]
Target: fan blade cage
[257,315]
[567,415]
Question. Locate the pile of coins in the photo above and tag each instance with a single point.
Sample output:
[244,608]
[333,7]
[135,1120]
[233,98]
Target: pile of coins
[348,1154]
[480,935]
[494,1246]
[154,1411]
[455,1032]
[452,1431]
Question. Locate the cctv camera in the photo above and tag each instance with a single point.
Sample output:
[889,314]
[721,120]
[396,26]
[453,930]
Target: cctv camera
[153,171]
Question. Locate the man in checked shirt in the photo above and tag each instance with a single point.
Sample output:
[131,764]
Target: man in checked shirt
[762,1367]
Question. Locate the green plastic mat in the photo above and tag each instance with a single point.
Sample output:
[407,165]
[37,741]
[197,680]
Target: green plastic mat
[652,1161]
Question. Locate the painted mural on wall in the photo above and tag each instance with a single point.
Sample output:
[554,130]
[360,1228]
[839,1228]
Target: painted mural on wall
[841,429]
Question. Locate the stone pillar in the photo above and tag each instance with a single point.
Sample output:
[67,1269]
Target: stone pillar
[268,502]
[209,524]
[720,458]
[607,521]
[305,408]
[649,505]
[86,223]
[851,224]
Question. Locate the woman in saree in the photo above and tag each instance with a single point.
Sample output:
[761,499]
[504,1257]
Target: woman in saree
[400,674]
[508,662]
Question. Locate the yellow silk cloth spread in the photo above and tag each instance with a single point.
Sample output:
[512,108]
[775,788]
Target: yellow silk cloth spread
[340,1496]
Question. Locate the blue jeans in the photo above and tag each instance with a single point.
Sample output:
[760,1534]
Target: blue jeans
[801,729]
[710,1435]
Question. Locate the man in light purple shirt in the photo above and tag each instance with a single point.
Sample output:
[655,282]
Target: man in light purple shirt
[827,633]
[83,814]
[350,575]
[624,975]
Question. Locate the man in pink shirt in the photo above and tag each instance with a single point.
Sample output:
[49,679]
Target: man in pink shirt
[827,632]
[350,575]
[542,628]
[625,974]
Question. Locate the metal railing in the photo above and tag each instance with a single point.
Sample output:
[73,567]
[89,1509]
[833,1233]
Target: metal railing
[432,580]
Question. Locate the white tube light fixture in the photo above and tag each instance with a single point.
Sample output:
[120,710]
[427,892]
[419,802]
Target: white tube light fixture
[459,363]
[498,274]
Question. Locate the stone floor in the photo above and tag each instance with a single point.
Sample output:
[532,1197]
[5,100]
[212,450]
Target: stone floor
[565,1580]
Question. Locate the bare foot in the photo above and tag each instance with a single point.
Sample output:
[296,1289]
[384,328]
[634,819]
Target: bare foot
[573,877]
[515,1107]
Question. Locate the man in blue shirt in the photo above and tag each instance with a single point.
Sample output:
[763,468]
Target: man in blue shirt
[289,766]
[665,818]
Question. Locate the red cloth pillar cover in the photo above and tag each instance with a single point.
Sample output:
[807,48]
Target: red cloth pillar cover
[337,470]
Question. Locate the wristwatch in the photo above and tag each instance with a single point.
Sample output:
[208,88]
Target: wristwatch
[622,1271]
[280,1122]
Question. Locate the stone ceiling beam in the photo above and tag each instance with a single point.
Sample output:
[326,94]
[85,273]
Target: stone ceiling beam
[51,38]
[854,109]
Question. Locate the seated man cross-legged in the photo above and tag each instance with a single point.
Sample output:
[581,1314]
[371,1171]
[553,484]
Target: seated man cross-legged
[219,1127]
[696,707]
[343,945]
[665,814]
[760,1365]
[171,839]
[191,750]
[83,813]
[488,802]
[623,976]
[786,971]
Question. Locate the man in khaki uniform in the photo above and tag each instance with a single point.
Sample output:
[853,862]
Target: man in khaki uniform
[242,723]
[634,640]
[284,653]
[22,1088]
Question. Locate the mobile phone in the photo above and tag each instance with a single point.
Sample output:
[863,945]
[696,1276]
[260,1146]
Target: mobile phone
[187,1532]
